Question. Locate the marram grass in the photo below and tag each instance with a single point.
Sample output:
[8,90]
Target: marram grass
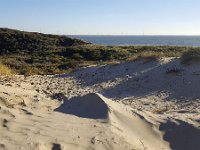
[4,70]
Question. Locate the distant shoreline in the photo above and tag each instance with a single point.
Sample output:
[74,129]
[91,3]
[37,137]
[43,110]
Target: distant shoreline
[140,40]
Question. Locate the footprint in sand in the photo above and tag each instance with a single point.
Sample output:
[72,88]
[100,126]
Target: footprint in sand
[2,147]
[4,124]
[56,146]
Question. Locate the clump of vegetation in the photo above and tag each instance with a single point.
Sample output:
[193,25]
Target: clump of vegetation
[160,110]
[147,56]
[174,70]
[14,41]
[190,56]
[4,70]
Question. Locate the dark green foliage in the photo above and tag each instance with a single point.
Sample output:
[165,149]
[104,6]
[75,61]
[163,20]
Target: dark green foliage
[18,41]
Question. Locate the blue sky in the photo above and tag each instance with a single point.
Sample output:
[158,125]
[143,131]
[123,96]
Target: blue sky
[104,17]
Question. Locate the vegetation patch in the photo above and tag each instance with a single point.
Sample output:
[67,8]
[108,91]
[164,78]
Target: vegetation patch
[191,56]
[4,70]
[174,70]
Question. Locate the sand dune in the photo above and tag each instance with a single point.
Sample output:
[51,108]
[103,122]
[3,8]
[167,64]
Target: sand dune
[133,105]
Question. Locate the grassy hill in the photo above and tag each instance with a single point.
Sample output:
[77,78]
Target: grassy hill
[36,53]
[18,41]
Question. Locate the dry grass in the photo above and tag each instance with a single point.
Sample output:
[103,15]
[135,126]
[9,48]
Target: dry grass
[160,110]
[147,56]
[4,70]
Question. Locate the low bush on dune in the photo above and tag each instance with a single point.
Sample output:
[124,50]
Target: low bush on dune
[146,56]
[174,70]
[190,56]
[4,70]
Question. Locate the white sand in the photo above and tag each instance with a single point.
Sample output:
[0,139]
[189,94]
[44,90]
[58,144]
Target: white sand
[146,108]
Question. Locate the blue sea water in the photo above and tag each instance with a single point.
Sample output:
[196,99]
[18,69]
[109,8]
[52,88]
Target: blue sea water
[141,40]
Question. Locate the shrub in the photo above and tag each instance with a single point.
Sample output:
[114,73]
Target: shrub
[147,56]
[174,70]
[191,56]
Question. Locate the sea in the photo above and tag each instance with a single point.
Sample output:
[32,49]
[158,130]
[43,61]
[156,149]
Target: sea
[193,41]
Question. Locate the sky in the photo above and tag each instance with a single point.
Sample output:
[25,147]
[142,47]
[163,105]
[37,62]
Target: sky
[102,17]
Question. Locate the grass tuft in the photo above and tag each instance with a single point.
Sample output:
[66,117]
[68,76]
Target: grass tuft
[4,70]
[174,70]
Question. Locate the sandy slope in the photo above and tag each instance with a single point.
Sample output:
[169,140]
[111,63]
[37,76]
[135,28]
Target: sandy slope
[148,106]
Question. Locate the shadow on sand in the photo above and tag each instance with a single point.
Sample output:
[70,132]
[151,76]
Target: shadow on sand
[181,135]
[154,79]
[142,78]
[89,106]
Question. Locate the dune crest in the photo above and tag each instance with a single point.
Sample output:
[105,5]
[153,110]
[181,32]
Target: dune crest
[121,120]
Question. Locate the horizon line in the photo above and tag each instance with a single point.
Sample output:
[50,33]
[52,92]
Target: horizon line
[129,35]
[101,34]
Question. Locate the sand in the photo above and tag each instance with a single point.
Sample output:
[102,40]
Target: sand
[140,105]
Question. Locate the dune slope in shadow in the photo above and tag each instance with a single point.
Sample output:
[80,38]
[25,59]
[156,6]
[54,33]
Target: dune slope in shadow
[181,135]
[88,106]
